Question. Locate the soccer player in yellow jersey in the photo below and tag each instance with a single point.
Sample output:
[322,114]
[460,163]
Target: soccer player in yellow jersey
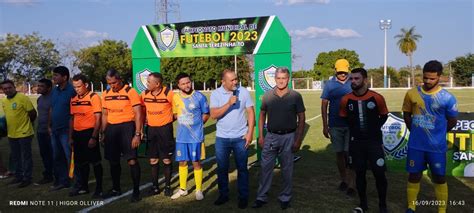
[429,112]
[192,111]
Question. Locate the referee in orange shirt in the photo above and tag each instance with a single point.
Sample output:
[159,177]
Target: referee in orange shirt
[122,127]
[157,101]
[86,111]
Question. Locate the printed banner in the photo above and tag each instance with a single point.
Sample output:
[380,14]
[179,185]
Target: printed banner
[207,38]
[460,140]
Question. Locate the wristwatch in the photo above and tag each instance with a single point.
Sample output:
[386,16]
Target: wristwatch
[138,134]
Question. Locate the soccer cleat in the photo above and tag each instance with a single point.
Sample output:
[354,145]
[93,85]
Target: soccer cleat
[135,198]
[24,184]
[168,192]
[155,190]
[97,195]
[221,200]
[358,210]
[243,203]
[112,193]
[199,195]
[258,204]
[58,187]
[77,192]
[284,204]
[179,193]
[14,181]
[44,181]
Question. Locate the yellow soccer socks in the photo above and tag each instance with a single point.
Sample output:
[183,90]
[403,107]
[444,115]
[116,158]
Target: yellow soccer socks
[183,176]
[441,191]
[198,179]
[412,194]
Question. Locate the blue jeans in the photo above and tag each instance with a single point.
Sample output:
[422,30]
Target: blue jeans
[46,152]
[223,147]
[21,157]
[61,156]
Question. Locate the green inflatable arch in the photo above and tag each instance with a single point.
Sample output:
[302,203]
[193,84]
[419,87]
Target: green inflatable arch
[264,37]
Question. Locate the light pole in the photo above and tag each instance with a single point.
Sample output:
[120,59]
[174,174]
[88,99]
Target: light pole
[385,25]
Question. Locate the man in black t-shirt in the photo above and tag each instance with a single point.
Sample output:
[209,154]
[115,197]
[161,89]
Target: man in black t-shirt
[285,113]
[366,112]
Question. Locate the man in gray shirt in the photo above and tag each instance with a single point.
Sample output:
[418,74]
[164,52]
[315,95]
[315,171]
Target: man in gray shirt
[284,111]
[42,133]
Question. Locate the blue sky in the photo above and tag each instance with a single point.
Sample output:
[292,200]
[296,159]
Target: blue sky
[447,26]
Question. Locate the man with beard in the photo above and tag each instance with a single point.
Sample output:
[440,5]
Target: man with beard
[334,127]
[366,112]
[429,112]
[157,102]
[192,111]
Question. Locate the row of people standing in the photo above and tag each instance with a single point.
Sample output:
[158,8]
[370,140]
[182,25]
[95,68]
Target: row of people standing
[73,119]
[356,115]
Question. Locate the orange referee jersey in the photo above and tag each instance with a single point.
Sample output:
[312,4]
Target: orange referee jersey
[83,110]
[159,108]
[119,105]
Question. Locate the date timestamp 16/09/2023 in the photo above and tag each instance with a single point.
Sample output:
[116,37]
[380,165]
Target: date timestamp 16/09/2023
[439,203]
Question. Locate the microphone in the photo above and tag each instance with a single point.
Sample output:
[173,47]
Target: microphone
[234,93]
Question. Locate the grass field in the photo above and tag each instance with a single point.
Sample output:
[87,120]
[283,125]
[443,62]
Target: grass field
[314,181]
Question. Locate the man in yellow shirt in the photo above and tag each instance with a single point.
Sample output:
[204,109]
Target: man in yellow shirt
[20,115]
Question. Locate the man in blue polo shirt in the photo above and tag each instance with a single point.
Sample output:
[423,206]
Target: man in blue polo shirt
[229,104]
[60,115]
[335,127]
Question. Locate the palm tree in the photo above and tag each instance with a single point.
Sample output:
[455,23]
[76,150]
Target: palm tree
[407,44]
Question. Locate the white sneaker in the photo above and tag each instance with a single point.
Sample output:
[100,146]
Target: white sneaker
[179,193]
[199,195]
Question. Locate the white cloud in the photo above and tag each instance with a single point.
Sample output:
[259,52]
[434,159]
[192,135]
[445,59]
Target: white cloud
[295,2]
[21,2]
[87,34]
[324,33]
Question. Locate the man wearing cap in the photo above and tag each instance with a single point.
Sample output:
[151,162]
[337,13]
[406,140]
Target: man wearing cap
[335,127]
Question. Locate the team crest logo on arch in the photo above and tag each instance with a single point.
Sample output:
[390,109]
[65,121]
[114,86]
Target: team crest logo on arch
[167,39]
[395,138]
[142,76]
[266,78]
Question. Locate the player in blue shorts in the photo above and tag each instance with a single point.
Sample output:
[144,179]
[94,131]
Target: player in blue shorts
[192,111]
[429,112]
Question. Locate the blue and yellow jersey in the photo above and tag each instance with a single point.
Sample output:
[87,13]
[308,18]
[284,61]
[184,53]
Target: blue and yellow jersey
[189,110]
[430,111]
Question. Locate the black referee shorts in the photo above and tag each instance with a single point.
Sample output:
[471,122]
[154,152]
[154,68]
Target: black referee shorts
[364,153]
[161,143]
[82,152]
[118,141]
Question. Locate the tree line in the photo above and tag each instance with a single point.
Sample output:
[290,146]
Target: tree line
[29,57]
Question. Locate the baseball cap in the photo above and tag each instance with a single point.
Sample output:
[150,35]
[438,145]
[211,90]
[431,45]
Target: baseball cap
[342,65]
